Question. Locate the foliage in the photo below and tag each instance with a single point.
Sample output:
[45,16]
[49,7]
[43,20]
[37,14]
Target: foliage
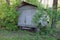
[58,15]
[8,19]
[36,18]
[8,16]
[39,13]
[15,2]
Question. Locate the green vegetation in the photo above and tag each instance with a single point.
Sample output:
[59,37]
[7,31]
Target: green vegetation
[22,35]
[8,16]
[9,20]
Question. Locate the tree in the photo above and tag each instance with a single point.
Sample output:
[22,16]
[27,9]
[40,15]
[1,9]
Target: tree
[54,19]
[8,2]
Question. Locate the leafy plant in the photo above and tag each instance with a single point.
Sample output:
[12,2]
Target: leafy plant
[8,16]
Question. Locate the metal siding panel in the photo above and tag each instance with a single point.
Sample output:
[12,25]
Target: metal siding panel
[27,13]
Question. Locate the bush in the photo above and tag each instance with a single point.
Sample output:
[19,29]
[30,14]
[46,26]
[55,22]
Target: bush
[8,16]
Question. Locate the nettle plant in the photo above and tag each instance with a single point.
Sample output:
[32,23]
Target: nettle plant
[41,19]
[41,16]
[8,16]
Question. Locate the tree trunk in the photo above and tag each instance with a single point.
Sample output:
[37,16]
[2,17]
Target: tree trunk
[40,1]
[54,18]
[8,2]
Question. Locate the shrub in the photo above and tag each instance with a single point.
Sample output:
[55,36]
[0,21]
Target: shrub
[8,16]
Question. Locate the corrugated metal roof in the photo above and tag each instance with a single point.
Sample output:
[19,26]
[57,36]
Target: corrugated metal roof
[29,2]
[46,3]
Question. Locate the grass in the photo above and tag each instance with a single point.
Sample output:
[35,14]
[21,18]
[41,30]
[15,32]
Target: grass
[22,35]
[15,35]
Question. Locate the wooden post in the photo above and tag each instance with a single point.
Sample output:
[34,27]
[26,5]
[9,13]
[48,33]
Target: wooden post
[54,18]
